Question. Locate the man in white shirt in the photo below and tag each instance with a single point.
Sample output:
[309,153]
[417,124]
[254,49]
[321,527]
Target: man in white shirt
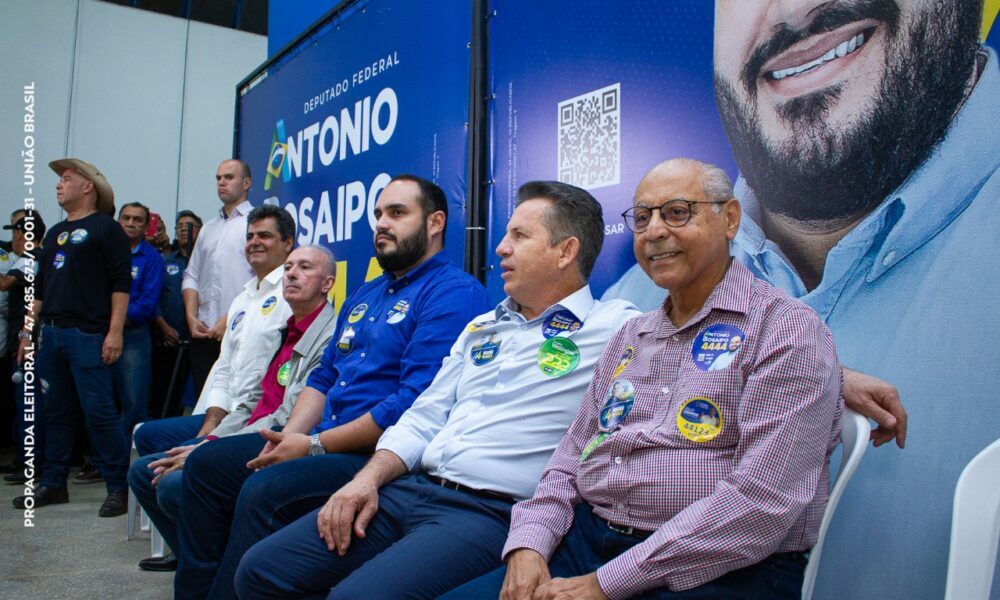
[217,269]
[475,441]
[251,336]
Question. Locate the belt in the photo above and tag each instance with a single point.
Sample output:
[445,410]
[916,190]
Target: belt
[625,529]
[489,494]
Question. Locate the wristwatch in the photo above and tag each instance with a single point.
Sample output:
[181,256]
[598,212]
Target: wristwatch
[315,446]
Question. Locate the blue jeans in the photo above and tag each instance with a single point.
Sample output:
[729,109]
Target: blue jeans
[35,427]
[161,435]
[69,358]
[218,490]
[424,540]
[162,501]
[589,544]
[133,375]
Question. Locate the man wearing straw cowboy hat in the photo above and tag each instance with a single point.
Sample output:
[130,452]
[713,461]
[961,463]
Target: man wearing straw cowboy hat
[81,296]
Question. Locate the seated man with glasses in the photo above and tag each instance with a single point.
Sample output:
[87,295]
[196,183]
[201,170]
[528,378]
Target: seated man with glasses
[675,480]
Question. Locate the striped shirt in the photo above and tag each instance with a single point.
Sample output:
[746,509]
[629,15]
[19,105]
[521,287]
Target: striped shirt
[726,465]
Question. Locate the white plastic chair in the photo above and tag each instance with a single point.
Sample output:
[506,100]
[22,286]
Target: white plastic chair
[156,544]
[975,528]
[854,433]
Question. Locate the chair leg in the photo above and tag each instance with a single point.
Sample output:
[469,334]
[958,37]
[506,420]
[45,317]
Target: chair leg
[133,507]
[155,543]
[144,524]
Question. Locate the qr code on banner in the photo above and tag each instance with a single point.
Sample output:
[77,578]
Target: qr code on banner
[590,138]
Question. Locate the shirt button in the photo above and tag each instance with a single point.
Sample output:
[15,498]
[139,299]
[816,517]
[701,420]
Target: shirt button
[343,383]
[666,390]
[363,355]
[675,338]
[618,460]
[499,386]
[370,319]
[392,291]
[888,258]
[620,506]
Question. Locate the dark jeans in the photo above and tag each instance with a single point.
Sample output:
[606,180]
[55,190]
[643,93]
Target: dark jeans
[424,540]
[132,376]
[226,508]
[161,501]
[589,544]
[204,353]
[161,435]
[35,427]
[69,358]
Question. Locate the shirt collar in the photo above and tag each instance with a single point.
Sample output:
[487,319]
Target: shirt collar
[304,324]
[138,247]
[270,280]
[438,260]
[579,303]
[242,209]
[732,294]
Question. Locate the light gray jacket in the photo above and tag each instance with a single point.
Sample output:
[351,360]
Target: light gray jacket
[305,357]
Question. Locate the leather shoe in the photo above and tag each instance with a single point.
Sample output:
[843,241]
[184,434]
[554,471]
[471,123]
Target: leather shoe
[159,563]
[114,505]
[15,478]
[88,476]
[44,496]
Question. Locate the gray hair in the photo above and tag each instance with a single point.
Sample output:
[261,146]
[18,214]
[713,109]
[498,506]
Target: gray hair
[714,182]
[331,260]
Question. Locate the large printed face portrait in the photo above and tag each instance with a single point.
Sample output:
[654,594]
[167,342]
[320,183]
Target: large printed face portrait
[829,105]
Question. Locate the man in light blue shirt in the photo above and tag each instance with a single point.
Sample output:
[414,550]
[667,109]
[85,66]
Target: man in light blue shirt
[476,440]
[869,187]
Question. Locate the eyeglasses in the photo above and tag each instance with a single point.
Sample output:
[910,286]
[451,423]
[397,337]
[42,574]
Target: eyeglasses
[675,213]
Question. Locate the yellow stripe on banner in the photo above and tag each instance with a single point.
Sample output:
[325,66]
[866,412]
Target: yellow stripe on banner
[990,9]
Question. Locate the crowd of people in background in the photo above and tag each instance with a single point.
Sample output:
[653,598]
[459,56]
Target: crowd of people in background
[424,440]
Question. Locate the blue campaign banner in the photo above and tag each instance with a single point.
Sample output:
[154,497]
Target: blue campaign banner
[595,93]
[380,90]
[864,145]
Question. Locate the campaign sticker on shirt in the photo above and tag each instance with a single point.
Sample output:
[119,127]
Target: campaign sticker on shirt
[283,372]
[562,321]
[356,313]
[268,306]
[617,405]
[59,260]
[62,238]
[78,236]
[699,419]
[398,312]
[3,255]
[346,342]
[236,320]
[479,325]
[623,361]
[558,356]
[485,351]
[593,444]
[715,347]
[135,272]
[173,269]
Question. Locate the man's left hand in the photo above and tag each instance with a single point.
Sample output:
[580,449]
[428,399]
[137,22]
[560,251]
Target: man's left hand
[173,462]
[584,587]
[287,446]
[112,349]
[878,400]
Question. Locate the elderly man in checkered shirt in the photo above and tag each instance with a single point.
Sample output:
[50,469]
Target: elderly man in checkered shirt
[676,480]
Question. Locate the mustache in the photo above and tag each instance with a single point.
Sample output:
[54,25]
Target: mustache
[385,234]
[826,19]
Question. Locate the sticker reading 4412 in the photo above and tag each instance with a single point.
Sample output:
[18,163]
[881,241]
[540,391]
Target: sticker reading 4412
[699,419]
[715,347]
[558,356]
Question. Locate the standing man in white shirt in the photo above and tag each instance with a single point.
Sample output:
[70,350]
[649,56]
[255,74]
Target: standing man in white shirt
[217,269]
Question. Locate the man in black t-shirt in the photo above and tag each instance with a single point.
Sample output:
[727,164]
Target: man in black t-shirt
[81,297]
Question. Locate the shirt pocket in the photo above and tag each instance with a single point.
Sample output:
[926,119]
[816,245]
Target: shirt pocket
[704,408]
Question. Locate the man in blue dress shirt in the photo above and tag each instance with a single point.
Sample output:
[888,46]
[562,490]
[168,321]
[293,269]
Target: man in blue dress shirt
[387,347]
[474,442]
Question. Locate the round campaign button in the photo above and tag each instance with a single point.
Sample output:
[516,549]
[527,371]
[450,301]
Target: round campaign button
[356,313]
[78,236]
[398,312]
[485,351]
[4,257]
[236,320]
[617,405]
[623,361]
[173,269]
[135,272]
[558,356]
[268,306]
[562,321]
[479,325]
[346,342]
[59,260]
[62,238]
[699,419]
[715,347]
[283,372]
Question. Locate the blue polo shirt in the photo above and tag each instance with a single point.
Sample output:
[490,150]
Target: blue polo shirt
[392,335]
[171,305]
[147,282]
